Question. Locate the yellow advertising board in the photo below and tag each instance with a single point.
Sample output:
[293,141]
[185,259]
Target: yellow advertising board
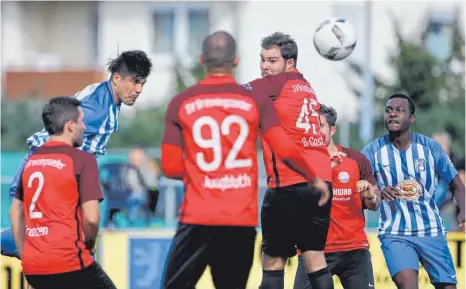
[136,259]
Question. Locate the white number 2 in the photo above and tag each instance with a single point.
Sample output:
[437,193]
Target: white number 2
[40,177]
[214,143]
[303,119]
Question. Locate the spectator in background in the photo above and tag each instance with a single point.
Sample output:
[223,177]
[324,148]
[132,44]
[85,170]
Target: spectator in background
[145,191]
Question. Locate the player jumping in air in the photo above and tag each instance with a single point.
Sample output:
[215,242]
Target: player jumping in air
[101,104]
[55,212]
[293,214]
[407,166]
[354,189]
[210,143]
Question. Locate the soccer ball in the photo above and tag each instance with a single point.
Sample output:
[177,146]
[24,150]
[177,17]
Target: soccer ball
[335,39]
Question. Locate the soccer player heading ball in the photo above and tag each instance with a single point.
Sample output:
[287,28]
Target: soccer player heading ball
[101,104]
[293,213]
[210,142]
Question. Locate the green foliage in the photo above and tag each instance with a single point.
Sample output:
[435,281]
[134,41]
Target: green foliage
[434,85]
[20,119]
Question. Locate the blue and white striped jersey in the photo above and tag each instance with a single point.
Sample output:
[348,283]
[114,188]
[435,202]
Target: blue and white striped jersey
[415,172]
[100,117]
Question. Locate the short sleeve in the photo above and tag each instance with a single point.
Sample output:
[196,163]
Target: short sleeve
[365,170]
[89,182]
[173,134]
[443,165]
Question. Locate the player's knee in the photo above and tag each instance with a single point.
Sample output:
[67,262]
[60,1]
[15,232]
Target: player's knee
[314,260]
[273,263]
[406,279]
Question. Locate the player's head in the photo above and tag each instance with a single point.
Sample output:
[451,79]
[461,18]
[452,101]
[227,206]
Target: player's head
[219,53]
[399,113]
[64,118]
[279,54]
[129,72]
[328,120]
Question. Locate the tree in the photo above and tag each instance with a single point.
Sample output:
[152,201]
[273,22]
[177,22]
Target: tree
[435,85]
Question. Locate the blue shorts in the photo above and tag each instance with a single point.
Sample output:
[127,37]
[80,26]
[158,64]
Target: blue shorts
[405,252]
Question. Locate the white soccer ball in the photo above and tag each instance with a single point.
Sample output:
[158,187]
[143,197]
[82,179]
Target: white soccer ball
[335,39]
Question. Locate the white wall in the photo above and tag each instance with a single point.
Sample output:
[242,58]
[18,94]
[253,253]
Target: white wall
[47,35]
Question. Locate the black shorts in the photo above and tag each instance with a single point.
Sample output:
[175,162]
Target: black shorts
[291,218]
[228,250]
[91,277]
[354,268]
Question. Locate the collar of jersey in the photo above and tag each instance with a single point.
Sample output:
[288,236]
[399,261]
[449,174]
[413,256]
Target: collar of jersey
[221,79]
[56,143]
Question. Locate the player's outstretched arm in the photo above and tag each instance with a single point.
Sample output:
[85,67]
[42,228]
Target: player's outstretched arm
[458,192]
[17,224]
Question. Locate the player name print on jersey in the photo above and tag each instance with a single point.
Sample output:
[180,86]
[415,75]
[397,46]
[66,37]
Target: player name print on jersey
[411,189]
[56,163]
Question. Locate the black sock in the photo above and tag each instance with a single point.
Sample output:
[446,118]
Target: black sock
[321,279]
[273,279]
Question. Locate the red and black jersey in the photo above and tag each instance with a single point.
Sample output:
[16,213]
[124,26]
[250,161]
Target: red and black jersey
[216,123]
[297,109]
[347,222]
[55,181]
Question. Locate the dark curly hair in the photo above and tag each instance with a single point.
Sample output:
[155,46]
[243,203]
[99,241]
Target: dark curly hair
[133,63]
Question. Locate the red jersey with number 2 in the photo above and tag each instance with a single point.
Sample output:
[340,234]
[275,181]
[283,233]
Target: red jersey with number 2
[297,109]
[216,122]
[55,181]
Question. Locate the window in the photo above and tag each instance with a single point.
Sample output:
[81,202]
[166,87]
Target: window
[199,25]
[439,36]
[164,30]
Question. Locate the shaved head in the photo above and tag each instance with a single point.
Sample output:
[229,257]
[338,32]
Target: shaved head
[219,50]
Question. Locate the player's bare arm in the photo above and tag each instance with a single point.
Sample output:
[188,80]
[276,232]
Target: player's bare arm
[457,186]
[17,223]
[91,221]
[369,194]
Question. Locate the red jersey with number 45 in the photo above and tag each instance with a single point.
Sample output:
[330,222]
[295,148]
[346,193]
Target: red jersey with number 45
[347,222]
[55,181]
[297,109]
[216,122]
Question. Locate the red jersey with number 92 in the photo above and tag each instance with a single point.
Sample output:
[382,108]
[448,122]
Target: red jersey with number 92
[297,109]
[218,122]
[56,180]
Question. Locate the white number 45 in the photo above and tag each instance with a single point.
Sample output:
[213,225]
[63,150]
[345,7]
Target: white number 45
[303,119]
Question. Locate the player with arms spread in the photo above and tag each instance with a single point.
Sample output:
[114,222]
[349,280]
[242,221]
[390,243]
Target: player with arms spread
[407,166]
[210,143]
[101,104]
[292,213]
[354,189]
[55,213]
